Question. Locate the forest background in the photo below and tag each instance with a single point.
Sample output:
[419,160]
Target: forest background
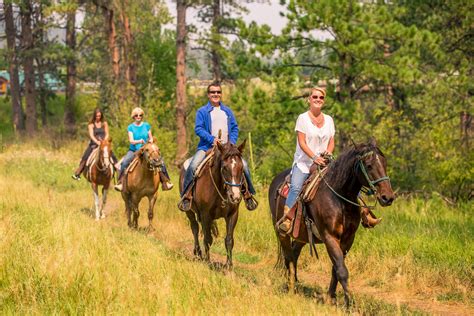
[399,71]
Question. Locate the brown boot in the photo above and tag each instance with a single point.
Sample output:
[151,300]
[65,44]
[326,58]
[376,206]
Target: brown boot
[185,203]
[368,218]
[166,184]
[250,202]
[285,225]
[77,173]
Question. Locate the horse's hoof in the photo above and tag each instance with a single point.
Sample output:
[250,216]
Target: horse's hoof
[97,219]
[102,216]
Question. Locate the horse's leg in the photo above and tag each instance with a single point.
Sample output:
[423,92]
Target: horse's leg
[333,285]
[136,213]
[290,263]
[96,201]
[128,208]
[104,201]
[151,205]
[195,228]
[296,247]
[231,222]
[206,229]
[337,257]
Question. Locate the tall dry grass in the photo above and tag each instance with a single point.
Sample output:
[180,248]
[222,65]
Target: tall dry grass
[56,259]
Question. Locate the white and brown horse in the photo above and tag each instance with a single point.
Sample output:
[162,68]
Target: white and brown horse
[99,171]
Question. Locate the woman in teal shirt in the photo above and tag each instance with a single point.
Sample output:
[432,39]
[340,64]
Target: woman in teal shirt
[139,133]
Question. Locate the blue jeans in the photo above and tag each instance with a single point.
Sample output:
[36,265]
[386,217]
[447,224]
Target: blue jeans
[296,184]
[127,159]
[197,159]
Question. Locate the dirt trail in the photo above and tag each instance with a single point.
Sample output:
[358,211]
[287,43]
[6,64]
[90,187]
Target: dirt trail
[171,234]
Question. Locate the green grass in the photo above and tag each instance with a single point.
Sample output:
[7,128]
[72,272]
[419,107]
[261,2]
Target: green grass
[55,259]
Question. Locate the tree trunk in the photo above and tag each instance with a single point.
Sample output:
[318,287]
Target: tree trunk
[69,116]
[28,67]
[112,43]
[10,30]
[182,149]
[129,58]
[215,33]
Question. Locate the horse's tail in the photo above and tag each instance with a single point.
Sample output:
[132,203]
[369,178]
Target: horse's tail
[274,202]
[214,229]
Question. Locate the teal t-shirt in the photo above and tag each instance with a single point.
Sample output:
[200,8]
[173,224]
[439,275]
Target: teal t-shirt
[139,132]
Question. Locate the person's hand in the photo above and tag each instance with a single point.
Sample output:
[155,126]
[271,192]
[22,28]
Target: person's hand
[97,142]
[320,161]
[216,140]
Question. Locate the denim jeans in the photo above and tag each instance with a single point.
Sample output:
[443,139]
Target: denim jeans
[189,175]
[296,184]
[197,159]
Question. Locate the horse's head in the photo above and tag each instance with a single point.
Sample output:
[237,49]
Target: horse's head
[105,151]
[232,170]
[373,173]
[151,153]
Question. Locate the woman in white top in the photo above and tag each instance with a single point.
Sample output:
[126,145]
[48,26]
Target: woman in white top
[315,137]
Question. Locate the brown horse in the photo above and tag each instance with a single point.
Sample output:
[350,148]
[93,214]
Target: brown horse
[100,172]
[334,210]
[143,180]
[217,194]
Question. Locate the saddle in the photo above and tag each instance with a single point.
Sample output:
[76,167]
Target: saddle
[200,168]
[308,192]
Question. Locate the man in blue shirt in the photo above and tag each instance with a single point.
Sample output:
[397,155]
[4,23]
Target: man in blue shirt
[211,118]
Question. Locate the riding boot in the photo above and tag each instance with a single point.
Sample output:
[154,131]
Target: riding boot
[250,202]
[165,181]
[185,203]
[368,218]
[77,173]
[285,225]
[118,186]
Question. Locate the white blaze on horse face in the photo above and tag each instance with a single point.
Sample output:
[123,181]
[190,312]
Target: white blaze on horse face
[106,156]
[235,189]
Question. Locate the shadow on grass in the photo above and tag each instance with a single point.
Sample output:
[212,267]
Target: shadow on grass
[88,211]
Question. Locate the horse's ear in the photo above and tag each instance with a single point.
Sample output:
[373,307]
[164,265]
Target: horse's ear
[110,139]
[154,140]
[373,142]
[242,146]
[220,146]
[352,141]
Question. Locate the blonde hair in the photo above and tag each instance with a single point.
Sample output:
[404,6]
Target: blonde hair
[137,111]
[322,90]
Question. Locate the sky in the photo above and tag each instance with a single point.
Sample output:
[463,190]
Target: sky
[266,12]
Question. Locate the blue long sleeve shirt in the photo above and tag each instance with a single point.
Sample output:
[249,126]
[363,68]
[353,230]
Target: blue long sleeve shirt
[203,127]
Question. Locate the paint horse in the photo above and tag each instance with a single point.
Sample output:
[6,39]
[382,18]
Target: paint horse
[99,171]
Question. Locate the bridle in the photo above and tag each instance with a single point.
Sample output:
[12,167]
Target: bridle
[150,165]
[370,190]
[102,161]
[226,183]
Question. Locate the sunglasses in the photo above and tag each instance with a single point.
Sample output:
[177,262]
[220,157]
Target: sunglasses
[139,115]
[214,92]
[315,97]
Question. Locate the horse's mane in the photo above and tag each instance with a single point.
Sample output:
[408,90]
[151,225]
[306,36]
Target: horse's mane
[342,170]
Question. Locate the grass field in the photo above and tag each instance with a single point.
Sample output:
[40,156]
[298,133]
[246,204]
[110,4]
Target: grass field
[54,258]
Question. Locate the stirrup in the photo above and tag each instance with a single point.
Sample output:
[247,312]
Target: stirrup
[283,220]
[251,203]
[185,204]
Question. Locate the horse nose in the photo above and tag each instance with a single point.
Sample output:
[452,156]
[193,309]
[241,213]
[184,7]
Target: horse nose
[387,200]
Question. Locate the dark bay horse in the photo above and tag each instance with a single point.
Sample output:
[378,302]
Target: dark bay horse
[217,195]
[142,181]
[335,210]
[100,172]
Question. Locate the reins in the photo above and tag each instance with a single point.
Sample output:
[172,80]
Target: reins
[369,191]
